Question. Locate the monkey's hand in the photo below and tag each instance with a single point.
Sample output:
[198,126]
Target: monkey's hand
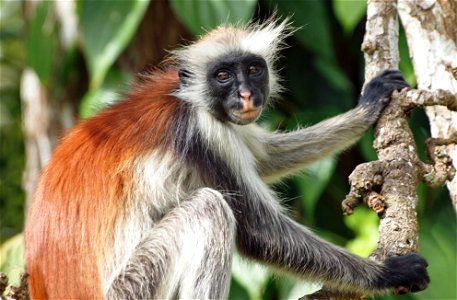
[406,273]
[377,92]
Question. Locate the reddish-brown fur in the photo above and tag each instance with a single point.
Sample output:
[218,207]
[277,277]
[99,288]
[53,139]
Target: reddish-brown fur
[82,190]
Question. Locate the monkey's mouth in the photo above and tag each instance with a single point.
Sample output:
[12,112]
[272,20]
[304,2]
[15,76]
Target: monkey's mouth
[246,116]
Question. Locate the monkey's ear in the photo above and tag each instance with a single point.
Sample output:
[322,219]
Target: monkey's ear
[184,76]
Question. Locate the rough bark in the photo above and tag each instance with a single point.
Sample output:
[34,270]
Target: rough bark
[388,185]
[431,31]
[380,43]
[398,171]
[380,47]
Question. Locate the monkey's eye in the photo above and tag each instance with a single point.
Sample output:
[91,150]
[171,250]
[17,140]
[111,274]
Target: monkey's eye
[223,76]
[254,70]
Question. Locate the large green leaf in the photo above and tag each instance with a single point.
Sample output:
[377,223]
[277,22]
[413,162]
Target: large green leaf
[329,68]
[41,41]
[406,65]
[349,13]
[364,222]
[313,182]
[312,19]
[106,94]
[313,23]
[438,244]
[12,258]
[107,27]
[201,16]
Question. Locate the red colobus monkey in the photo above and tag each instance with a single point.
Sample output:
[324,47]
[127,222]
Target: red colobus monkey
[149,198]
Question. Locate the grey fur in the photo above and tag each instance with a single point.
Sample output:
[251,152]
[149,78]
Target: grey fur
[290,152]
[210,189]
[205,219]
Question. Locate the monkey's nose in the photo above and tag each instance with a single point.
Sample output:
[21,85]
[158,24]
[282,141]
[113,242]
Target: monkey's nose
[245,95]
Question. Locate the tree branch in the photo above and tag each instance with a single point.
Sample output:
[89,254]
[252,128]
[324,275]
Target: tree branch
[432,39]
[388,185]
[422,98]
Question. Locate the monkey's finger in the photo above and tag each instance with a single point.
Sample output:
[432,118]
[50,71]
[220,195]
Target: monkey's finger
[396,75]
[419,287]
[401,290]
[398,84]
[391,73]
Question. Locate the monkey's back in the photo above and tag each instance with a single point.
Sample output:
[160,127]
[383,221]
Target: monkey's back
[86,186]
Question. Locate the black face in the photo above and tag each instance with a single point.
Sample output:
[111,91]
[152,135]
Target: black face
[238,87]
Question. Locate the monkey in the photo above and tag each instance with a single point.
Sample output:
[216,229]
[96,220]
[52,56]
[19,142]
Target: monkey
[150,197]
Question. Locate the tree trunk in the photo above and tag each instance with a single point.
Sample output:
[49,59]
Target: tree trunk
[431,31]
[394,142]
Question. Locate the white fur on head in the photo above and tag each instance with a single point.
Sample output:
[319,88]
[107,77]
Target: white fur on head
[263,39]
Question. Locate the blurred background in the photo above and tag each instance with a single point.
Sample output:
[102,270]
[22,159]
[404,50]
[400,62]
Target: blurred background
[62,61]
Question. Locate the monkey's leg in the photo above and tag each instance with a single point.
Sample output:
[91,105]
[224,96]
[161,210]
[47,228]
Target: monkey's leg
[187,254]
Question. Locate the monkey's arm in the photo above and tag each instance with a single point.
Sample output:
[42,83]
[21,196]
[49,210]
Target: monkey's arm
[269,236]
[289,152]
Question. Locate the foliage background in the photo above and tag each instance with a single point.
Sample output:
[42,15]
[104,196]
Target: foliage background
[84,65]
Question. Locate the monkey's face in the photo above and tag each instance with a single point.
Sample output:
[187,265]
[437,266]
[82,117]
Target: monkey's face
[238,87]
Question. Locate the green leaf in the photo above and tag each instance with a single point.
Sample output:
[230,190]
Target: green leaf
[107,27]
[237,291]
[366,146]
[313,23]
[41,41]
[108,93]
[95,100]
[12,258]
[314,33]
[201,16]
[333,73]
[406,65]
[250,275]
[300,288]
[313,182]
[364,222]
[438,244]
[349,13]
